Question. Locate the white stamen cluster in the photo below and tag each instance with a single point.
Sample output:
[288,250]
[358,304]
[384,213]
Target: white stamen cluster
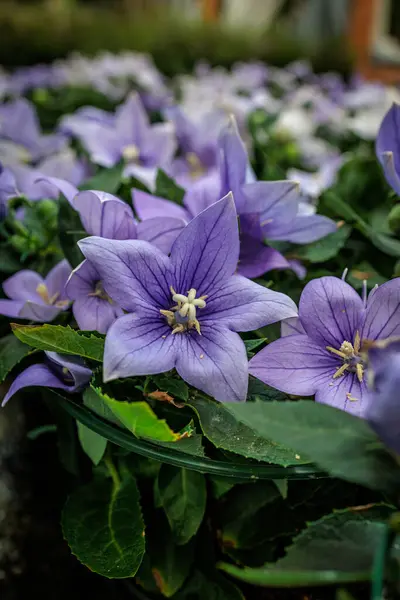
[131,153]
[350,354]
[185,307]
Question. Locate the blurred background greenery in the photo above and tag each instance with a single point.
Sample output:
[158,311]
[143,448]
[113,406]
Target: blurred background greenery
[177,33]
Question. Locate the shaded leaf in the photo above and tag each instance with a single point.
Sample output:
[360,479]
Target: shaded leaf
[176,387]
[70,231]
[106,180]
[261,391]
[222,428]
[102,523]
[183,495]
[167,188]
[252,345]
[343,445]
[63,339]
[326,248]
[221,485]
[93,444]
[12,351]
[210,586]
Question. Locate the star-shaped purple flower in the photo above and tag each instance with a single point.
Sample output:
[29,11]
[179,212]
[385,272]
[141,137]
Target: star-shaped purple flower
[325,360]
[388,147]
[185,309]
[58,371]
[36,298]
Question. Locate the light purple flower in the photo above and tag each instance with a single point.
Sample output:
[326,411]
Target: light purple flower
[184,309]
[93,309]
[325,360]
[19,123]
[388,147]
[71,124]
[58,371]
[313,184]
[36,298]
[382,403]
[8,189]
[130,137]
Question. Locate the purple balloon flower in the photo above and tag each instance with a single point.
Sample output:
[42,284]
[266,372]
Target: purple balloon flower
[130,137]
[388,147]
[325,360]
[28,135]
[93,309]
[382,404]
[59,371]
[184,309]
[36,298]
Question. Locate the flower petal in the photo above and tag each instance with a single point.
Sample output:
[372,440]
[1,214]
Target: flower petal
[36,375]
[295,364]
[206,252]
[256,258]
[76,368]
[160,231]
[82,280]
[11,308]
[291,326]
[64,187]
[382,317]
[148,206]
[267,196]
[388,146]
[330,311]
[303,229]
[134,273]
[243,305]
[23,285]
[57,278]
[105,215]
[233,163]
[95,314]
[214,362]
[345,393]
[137,345]
[41,313]
[202,193]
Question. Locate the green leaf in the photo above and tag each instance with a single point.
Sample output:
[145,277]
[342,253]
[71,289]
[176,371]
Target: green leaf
[93,444]
[387,244]
[338,548]
[170,563]
[103,525]
[252,345]
[364,272]
[12,351]
[63,339]
[210,586]
[342,444]
[139,418]
[167,188]
[222,428]
[340,208]
[326,248]
[94,402]
[183,496]
[106,180]
[260,391]
[221,485]
[189,445]
[70,230]
[176,387]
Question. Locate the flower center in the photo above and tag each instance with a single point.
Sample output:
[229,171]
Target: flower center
[349,353]
[182,316]
[131,153]
[195,165]
[51,301]
[100,293]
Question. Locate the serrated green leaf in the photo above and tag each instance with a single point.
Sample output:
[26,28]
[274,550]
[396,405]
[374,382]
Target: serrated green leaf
[338,548]
[95,403]
[139,418]
[93,444]
[106,180]
[175,387]
[103,525]
[326,248]
[189,445]
[183,495]
[167,188]
[12,351]
[225,431]
[59,338]
[342,444]
[70,230]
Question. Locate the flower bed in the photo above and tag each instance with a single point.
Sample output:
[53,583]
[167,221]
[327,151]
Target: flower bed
[201,274]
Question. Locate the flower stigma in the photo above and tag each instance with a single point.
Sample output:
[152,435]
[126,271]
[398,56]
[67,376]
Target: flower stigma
[183,316]
[50,300]
[195,166]
[352,361]
[100,293]
[131,153]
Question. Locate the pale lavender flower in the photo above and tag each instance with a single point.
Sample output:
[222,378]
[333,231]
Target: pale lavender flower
[185,309]
[313,184]
[93,309]
[325,360]
[388,147]
[36,298]
[382,403]
[58,371]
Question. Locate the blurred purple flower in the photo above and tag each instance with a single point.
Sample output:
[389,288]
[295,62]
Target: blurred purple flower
[35,298]
[58,371]
[19,124]
[184,309]
[313,184]
[388,147]
[93,309]
[325,360]
[130,137]
[382,403]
